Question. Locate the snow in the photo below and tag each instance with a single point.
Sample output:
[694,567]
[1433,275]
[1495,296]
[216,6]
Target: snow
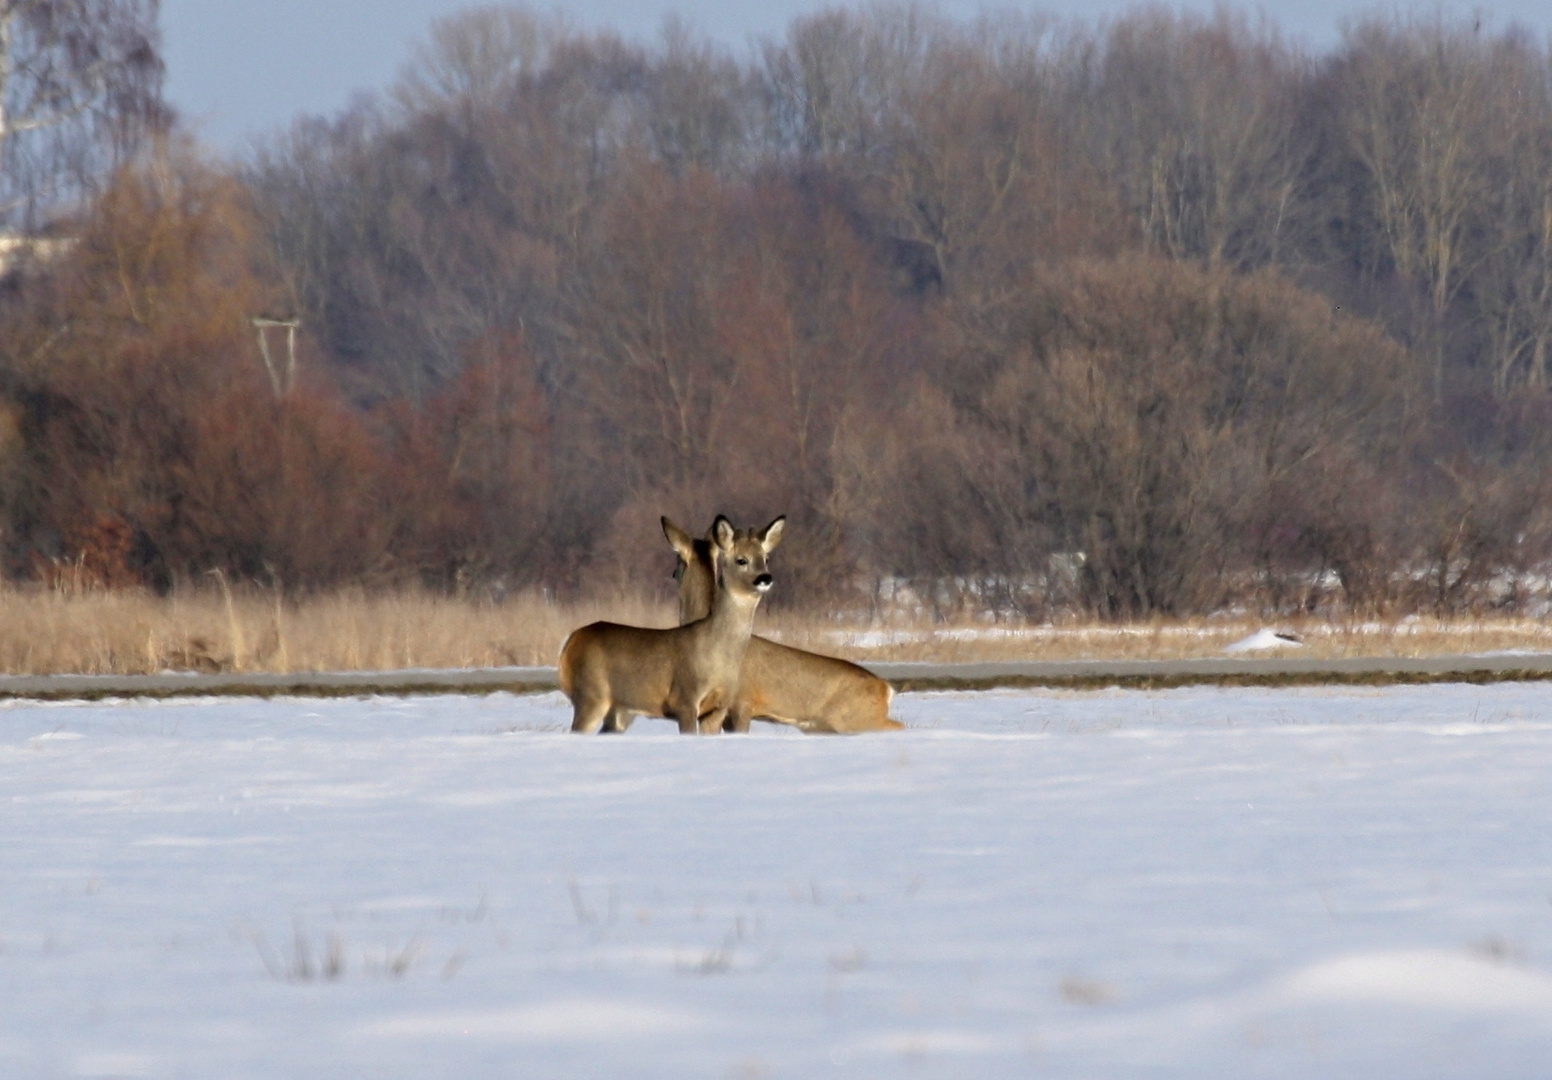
[1195,883]
[1263,640]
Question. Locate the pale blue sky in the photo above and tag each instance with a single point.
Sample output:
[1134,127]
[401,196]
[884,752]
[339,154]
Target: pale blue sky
[244,67]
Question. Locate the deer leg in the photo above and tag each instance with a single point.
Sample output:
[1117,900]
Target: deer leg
[711,722]
[587,716]
[737,720]
[684,716]
[617,722]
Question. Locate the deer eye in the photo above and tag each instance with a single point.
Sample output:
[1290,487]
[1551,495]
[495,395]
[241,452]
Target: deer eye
[742,561]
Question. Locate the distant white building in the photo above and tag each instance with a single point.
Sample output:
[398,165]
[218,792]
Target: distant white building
[16,248]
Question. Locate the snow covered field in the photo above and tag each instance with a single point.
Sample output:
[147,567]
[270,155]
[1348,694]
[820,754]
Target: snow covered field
[1196,883]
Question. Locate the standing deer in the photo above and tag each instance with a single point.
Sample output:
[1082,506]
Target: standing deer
[689,673]
[819,694]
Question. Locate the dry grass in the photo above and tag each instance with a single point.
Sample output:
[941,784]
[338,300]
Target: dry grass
[46,632]
[43,632]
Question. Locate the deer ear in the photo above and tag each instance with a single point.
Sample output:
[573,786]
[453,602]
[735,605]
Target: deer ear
[722,532]
[771,536]
[682,541]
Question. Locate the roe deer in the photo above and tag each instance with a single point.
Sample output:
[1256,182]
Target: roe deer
[689,673]
[818,694]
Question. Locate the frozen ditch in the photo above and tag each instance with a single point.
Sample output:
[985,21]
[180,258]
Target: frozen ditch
[1190,883]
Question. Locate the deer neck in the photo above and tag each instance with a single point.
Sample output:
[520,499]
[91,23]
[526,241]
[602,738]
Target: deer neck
[727,628]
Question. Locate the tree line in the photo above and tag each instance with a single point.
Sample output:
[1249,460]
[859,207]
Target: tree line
[1152,317]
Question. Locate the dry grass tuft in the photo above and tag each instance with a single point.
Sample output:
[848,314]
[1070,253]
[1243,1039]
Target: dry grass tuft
[46,631]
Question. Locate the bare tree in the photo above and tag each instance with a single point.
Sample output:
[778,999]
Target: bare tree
[840,75]
[1511,288]
[1196,119]
[1416,108]
[474,58]
[966,161]
[642,328]
[80,87]
[701,109]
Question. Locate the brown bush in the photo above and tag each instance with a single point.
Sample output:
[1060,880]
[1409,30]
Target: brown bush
[470,473]
[1159,431]
[147,405]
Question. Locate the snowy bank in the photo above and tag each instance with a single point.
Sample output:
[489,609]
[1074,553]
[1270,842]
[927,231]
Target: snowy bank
[1194,883]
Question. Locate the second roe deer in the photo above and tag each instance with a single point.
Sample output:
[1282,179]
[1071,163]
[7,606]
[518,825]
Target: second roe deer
[689,674]
[818,694]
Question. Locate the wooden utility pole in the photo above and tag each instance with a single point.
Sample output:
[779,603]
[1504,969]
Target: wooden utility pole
[282,381]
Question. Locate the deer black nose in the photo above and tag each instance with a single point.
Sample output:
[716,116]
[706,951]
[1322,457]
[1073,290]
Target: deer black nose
[763,582]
